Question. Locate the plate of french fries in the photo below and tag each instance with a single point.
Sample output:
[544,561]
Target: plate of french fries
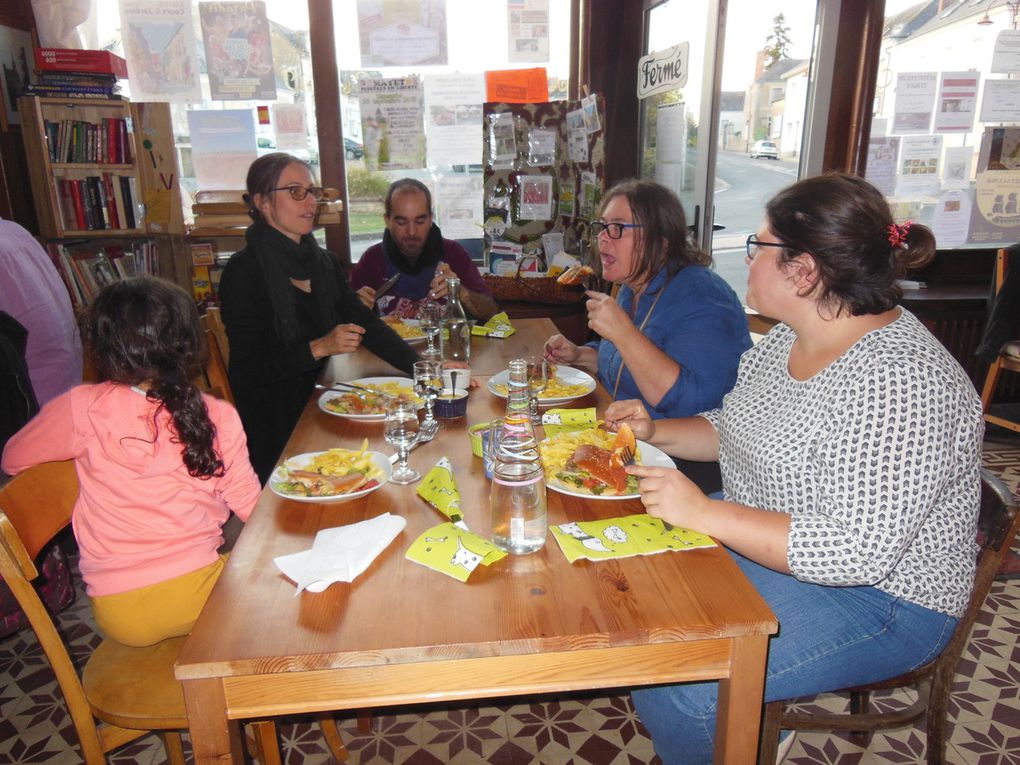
[408,329]
[332,475]
[565,384]
[369,402]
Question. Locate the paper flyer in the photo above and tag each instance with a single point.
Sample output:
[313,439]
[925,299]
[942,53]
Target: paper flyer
[881,172]
[459,205]
[402,33]
[536,197]
[527,31]
[453,118]
[995,214]
[159,46]
[956,167]
[919,165]
[952,218]
[1006,53]
[1001,101]
[957,102]
[222,147]
[391,123]
[238,50]
[915,102]
[289,126]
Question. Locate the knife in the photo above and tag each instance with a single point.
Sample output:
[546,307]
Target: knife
[385,287]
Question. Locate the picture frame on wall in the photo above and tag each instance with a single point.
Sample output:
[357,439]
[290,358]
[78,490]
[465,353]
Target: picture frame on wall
[15,72]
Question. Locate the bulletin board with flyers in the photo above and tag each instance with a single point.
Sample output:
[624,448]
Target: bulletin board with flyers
[544,171]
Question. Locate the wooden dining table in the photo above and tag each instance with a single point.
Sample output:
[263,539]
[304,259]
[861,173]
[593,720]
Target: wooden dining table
[403,634]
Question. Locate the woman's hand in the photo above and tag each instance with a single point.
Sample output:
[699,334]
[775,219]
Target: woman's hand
[343,338]
[559,350]
[367,296]
[606,317]
[669,494]
[632,412]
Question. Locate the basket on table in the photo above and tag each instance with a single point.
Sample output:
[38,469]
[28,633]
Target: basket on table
[537,289]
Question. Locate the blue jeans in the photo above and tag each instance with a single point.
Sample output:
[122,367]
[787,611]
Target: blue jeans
[829,638]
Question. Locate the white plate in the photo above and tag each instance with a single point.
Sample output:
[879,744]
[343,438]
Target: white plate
[413,340]
[379,459]
[565,374]
[379,417]
[650,457]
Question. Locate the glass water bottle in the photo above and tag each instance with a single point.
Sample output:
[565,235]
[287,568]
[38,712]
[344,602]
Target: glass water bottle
[457,338]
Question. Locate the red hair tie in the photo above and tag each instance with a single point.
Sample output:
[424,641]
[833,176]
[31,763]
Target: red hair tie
[898,234]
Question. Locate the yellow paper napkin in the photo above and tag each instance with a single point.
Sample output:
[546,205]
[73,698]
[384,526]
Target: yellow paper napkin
[439,489]
[453,551]
[556,421]
[498,326]
[624,537]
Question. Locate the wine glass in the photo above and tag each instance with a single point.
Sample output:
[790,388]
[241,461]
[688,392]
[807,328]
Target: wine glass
[430,317]
[401,430]
[538,379]
[428,381]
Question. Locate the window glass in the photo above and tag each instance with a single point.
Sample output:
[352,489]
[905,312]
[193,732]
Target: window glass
[478,38]
[945,146]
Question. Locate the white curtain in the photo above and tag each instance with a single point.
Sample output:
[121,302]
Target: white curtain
[66,23]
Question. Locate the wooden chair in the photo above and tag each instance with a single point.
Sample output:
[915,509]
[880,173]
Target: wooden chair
[933,683]
[1008,358]
[219,354]
[129,691]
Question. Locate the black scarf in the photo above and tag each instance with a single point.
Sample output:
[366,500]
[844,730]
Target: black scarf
[430,256]
[281,259]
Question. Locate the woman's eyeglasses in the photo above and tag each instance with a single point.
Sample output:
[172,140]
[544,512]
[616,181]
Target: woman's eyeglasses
[613,230]
[298,193]
[753,243]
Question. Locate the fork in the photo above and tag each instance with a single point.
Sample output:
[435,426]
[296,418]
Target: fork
[428,430]
[627,455]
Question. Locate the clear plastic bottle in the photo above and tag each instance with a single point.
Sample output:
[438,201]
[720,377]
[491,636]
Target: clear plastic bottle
[457,337]
[517,496]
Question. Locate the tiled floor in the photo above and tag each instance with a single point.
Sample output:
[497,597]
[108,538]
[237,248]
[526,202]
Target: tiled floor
[600,730]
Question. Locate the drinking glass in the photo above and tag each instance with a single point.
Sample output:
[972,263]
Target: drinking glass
[401,430]
[538,379]
[430,317]
[428,381]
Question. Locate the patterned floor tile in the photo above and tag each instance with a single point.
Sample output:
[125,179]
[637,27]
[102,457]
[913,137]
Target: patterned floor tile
[581,729]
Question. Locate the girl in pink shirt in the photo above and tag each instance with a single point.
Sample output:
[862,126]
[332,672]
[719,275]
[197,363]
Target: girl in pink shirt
[160,465]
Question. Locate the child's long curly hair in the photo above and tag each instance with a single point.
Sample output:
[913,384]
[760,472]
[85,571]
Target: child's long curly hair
[146,331]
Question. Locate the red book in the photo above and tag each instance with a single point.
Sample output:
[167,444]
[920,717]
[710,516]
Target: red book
[79,205]
[70,60]
[123,144]
[111,202]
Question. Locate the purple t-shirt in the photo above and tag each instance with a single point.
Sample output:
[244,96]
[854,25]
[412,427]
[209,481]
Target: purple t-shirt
[406,295]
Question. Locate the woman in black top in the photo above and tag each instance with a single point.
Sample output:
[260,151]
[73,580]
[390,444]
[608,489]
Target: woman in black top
[287,307]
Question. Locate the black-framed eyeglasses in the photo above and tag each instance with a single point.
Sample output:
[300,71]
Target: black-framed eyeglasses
[613,230]
[298,193]
[753,243]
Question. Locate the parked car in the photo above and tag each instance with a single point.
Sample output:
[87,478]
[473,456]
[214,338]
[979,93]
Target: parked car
[767,149]
[353,149]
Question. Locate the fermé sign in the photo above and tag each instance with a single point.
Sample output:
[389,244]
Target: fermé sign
[663,70]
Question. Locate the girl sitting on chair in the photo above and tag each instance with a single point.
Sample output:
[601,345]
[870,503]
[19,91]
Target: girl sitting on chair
[160,465]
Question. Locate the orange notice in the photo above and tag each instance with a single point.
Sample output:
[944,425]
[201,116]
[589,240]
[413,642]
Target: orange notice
[517,86]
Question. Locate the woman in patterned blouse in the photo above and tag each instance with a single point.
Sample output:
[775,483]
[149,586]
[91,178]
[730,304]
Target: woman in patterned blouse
[850,449]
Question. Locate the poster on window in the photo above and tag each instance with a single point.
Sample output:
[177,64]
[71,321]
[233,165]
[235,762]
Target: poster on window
[995,214]
[402,33]
[391,123]
[222,147]
[453,118]
[238,51]
[159,46]
[915,102]
[1006,53]
[952,218]
[459,204]
[957,102]
[882,153]
[919,165]
[1001,101]
[956,167]
[289,126]
[527,31]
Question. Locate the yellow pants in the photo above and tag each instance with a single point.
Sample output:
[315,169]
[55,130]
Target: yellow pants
[159,611]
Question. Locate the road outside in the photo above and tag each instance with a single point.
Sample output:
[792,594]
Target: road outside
[742,187]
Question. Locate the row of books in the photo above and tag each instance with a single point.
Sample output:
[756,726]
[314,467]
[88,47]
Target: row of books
[86,268]
[74,85]
[79,141]
[98,202]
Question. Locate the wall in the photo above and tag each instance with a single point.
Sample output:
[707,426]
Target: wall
[15,204]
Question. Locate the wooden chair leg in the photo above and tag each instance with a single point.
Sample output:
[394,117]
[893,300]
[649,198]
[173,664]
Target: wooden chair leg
[331,734]
[860,705]
[173,746]
[991,380]
[769,743]
[364,721]
[265,746]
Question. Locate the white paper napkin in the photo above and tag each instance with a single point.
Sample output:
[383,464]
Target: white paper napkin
[340,554]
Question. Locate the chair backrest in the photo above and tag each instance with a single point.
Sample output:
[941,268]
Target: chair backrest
[34,506]
[1001,266]
[216,366]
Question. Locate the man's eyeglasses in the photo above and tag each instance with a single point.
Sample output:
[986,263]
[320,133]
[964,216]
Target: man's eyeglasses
[613,230]
[753,243]
[298,193]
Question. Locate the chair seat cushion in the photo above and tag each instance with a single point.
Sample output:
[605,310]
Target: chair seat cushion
[135,687]
[1011,349]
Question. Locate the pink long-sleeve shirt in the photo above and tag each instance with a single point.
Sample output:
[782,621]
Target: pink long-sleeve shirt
[140,518]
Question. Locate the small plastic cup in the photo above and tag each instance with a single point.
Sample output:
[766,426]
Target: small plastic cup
[479,435]
[451,404]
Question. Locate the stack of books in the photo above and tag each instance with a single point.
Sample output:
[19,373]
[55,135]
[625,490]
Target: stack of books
[224,213]
[67,73]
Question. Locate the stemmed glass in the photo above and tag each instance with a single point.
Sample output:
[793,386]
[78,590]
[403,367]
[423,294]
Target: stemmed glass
[401,430]
[428,381]
[430,317]
[538,379]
